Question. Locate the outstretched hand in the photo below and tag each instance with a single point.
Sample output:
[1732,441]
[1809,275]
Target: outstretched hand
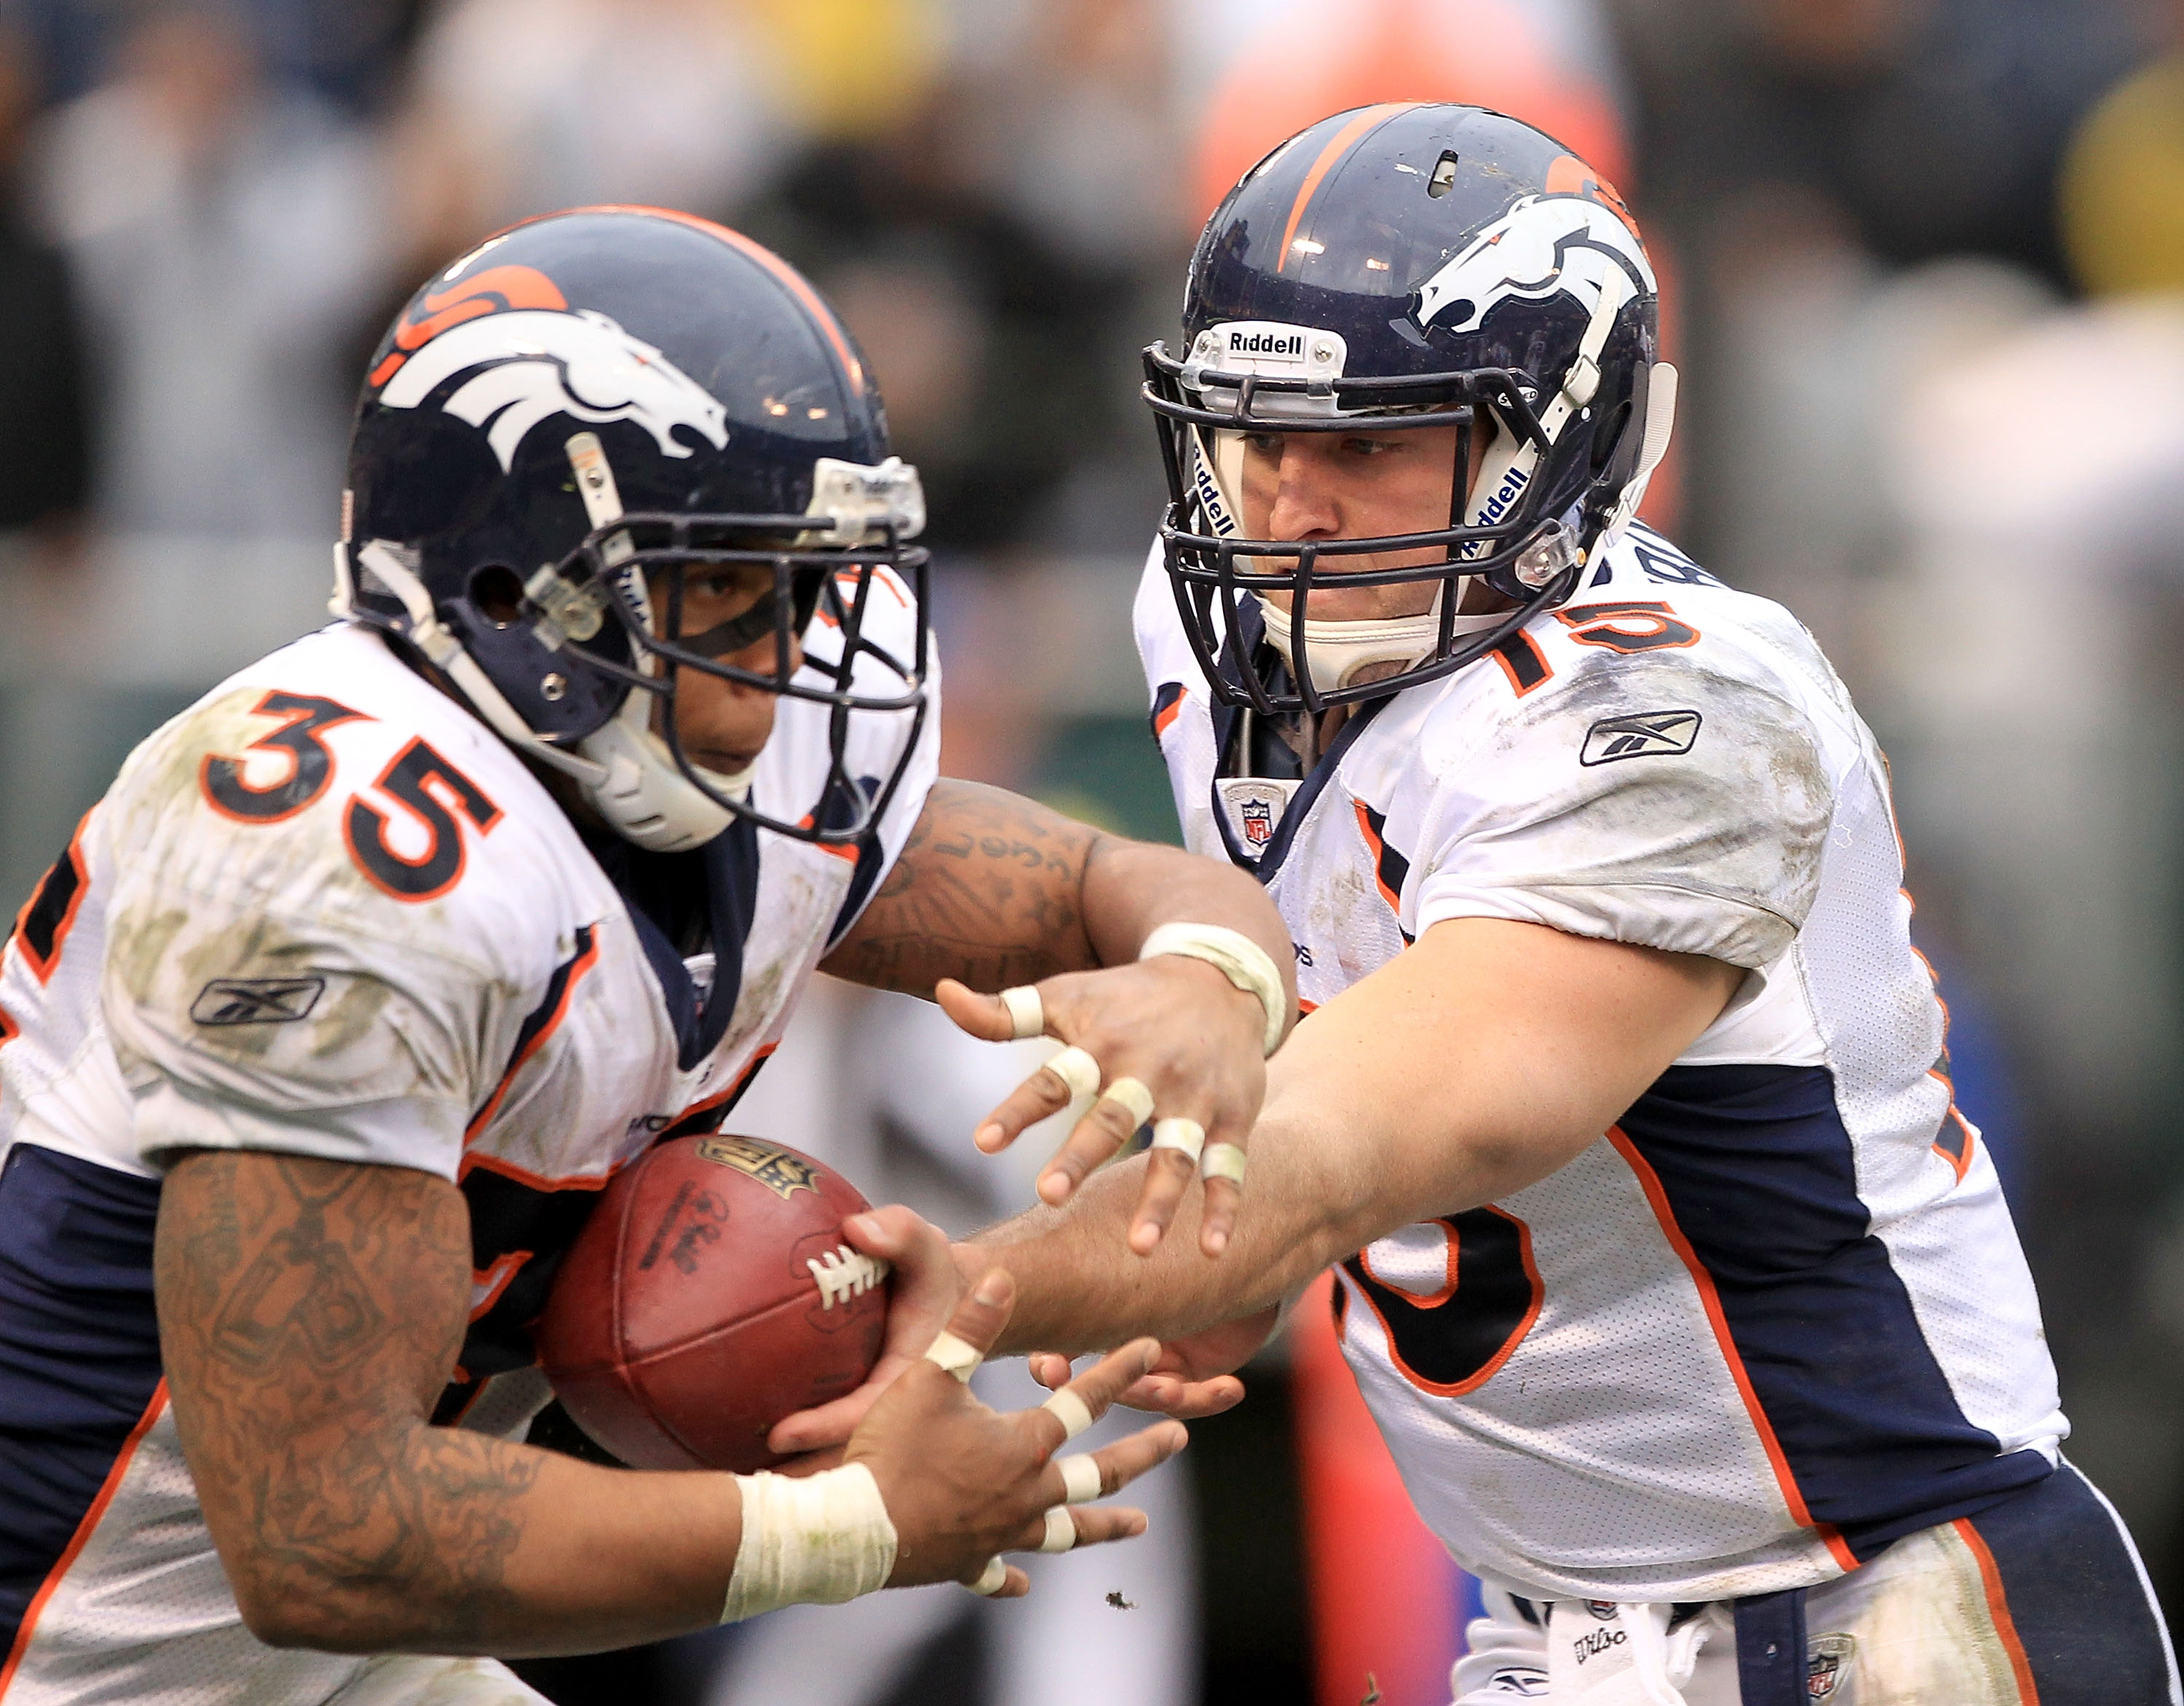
[964,1483]
[1190,1043]
[1191,1377]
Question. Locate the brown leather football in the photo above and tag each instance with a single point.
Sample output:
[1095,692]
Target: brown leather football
[710,1294]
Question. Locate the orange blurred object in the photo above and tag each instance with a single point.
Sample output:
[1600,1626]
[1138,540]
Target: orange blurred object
[1330,55]
[1385,1598]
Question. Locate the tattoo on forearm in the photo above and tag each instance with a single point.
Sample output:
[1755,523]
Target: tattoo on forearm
[989,889]
[307,1305]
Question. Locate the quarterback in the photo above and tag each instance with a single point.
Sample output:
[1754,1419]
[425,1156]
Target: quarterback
[373,967]
[1686,1300]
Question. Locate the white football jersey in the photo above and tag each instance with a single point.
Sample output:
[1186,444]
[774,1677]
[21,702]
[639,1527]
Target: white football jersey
[1775,1318]
[326,911]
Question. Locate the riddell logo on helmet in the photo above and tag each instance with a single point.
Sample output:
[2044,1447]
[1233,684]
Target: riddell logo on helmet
[1267,343]
[1510,488]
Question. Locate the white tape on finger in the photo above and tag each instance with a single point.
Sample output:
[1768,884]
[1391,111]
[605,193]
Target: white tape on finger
[1186,1135]
[1077,1070]
[1135,1099]
[992,1580]
[954,1355]
[1080,1479]
[1026,1011]
[1222,1161]
[1074,1414]
[1061,1534]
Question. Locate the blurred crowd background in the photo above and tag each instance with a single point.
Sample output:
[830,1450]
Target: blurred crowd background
[1925,271]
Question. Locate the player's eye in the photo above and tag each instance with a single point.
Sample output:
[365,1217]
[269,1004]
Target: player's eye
[1369,447]
[1267,444]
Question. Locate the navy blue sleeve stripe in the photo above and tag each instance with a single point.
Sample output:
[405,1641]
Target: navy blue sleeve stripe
[1390,869]
[1167,704]
[1751,1172]
[50,913]
[1953,1142]
[80,1370]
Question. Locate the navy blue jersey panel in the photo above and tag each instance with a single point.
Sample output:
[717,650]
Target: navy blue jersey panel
[79,1350]
[2090,1632]
[1757,1170]
[687,903]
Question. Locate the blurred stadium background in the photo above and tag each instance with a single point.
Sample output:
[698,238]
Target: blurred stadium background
[1928,293]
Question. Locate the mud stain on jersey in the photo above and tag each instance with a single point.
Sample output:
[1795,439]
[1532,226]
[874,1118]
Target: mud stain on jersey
[1740,817]
[362,1000]
[134,956]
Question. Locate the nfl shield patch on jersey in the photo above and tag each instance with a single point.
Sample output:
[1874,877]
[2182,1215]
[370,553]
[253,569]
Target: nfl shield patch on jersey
[1827,1665]
[1253,805]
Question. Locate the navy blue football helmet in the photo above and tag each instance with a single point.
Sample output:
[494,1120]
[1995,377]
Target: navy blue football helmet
[1407,267]
[573,418]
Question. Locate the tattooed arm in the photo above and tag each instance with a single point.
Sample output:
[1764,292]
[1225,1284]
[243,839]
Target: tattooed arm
[309,1313]
[992,889]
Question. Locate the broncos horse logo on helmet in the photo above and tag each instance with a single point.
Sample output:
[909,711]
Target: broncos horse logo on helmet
[573,417]
[527,365]
[1542,245]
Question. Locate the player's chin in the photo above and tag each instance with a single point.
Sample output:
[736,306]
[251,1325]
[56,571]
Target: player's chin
[726,760]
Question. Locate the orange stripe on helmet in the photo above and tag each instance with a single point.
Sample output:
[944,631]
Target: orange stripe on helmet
[1570,176]
[1339,144]
[495,288]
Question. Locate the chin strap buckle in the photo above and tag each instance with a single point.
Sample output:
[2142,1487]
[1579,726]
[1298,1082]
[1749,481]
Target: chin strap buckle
[575,612]
[1552,551]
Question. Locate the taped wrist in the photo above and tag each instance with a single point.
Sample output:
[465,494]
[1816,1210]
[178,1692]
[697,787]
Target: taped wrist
[1237,957]
[817,1540]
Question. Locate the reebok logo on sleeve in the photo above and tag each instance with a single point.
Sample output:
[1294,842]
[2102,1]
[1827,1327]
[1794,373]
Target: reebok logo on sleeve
[1639,734]
[256,1000]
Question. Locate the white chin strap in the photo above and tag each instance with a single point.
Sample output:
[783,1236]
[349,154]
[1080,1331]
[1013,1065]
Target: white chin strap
[1338,654]
[641,791]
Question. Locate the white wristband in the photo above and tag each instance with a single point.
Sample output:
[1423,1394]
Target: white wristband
[1237,957]
[818,1540]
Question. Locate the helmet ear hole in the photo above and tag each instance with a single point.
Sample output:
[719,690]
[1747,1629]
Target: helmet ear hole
[496,594]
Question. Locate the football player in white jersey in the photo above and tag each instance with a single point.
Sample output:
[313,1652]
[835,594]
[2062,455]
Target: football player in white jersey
[1686,1300]
[373,967]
